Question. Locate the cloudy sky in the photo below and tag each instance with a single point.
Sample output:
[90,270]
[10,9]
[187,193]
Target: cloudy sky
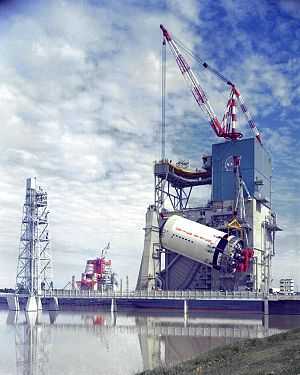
[80,110]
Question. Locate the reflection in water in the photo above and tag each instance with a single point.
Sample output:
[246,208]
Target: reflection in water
[32,342]
[45,343]
[166,340]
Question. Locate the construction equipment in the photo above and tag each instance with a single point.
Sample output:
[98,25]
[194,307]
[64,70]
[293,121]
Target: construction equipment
[227,127]
[227,243]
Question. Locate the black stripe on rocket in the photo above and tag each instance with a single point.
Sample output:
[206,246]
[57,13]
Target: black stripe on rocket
[219,250]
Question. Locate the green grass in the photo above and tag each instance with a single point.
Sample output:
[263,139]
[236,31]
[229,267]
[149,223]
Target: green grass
[274,355]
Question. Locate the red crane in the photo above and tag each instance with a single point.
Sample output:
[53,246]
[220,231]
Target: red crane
[227,127]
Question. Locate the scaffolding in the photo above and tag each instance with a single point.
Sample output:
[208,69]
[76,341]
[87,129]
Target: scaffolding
[34,270]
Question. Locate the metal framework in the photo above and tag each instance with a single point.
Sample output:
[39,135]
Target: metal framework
[239,205]
[177,196]
[269,228]
[174,184]
[34,271]
[237,212]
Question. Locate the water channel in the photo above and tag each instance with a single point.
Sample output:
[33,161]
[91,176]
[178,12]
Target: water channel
[100,342]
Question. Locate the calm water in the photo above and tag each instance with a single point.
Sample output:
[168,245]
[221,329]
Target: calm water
[96,342]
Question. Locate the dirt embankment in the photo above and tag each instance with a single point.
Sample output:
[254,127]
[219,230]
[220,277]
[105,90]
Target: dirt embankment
[274,355]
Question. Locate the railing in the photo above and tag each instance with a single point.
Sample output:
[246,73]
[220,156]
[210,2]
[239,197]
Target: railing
[154,294]
[278,297]
[161,294]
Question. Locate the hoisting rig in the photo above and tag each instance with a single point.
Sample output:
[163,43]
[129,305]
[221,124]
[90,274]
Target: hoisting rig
[228,243]
[227,127]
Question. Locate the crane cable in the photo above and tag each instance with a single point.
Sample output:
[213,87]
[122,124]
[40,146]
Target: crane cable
[203,63]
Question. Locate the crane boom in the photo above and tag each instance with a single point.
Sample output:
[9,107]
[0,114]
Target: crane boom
[227,128]
[192,81]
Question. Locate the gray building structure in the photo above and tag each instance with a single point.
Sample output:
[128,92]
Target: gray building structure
[254,221]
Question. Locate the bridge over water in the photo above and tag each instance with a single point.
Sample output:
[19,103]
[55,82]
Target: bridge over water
[188,299]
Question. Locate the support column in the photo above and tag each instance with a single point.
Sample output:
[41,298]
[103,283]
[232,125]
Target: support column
[39,303]
[52,316]
[31,304]
[185,307]
[12,317]
[266,324]
[113,306]
[53,304]
[266,306]
[13,302]
[150,261]
[185,312]
[31,318]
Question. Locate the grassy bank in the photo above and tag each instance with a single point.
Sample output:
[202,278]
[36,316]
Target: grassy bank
[274,355]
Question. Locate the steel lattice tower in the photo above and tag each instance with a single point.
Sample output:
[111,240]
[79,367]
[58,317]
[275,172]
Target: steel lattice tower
[34,272]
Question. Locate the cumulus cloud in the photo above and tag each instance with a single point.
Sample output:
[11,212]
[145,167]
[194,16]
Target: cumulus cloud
[80,109]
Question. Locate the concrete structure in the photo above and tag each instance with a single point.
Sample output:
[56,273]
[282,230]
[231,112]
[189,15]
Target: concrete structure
[151,255]
[13,302]
[239,174]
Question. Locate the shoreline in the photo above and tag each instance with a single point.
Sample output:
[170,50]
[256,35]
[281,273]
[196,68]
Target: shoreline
[273,355]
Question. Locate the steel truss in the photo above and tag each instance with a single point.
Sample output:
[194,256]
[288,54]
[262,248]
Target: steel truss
[34,271]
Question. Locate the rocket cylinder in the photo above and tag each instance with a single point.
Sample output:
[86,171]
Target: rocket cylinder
[202,243]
